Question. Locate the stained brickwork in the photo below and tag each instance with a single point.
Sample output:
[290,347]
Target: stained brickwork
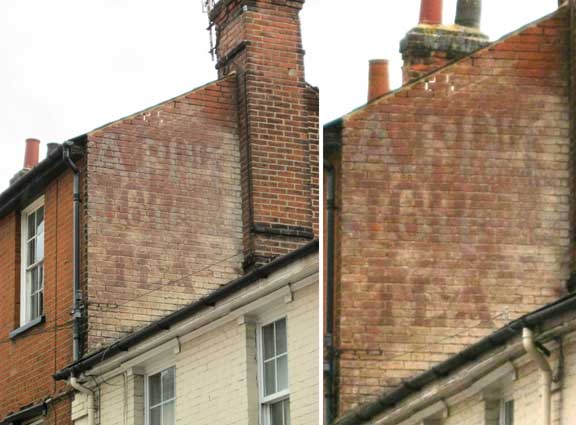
[163,210]
[278,114]
[29,360]
[454,209]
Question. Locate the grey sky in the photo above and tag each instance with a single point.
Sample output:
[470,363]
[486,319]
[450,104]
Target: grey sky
[69,66]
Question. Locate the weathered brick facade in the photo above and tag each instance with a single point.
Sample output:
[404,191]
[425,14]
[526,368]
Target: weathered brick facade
[454,205]
[163,210]
[278,116]
[189,194]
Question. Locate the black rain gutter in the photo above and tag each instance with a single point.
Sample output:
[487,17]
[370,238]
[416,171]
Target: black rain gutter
[167,322]
[77,301]
[25,414]
[329,338]
[492,341]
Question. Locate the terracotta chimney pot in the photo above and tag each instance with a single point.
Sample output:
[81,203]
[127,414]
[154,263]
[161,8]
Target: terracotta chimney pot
[431,12]
[32,153]
[379,81]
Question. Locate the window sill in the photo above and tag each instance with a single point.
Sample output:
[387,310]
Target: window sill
[23,329]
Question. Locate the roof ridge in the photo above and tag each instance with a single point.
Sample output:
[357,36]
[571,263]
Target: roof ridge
[561,9]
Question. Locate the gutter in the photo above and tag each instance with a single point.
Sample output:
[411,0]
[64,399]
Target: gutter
[40,409]
[173,319]
[77,302]
[546,370]
[390,400]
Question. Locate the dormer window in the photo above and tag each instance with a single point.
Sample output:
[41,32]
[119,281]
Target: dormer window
[32,263]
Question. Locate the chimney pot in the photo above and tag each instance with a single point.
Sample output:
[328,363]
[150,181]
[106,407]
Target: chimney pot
[468,13]
[378,79]
[51,147]
[32,153]
[431,12]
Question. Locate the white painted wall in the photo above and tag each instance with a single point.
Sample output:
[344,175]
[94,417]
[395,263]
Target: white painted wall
[216,372]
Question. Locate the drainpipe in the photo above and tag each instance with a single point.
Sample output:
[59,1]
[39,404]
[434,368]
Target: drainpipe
[544,366]
[76,310]
[329,340]
[89,397]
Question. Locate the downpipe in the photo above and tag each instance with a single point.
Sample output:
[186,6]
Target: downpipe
[73,381]
[329,339]
[545,369]
[76,309]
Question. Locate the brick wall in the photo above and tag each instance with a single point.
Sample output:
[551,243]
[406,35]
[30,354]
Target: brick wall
[278,115]
[455,209]
[29,360]
[163,210]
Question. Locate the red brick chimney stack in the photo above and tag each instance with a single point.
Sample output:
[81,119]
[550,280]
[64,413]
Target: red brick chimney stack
[431,12]
[378,79]
[32,153]
[431,45]
[260,40]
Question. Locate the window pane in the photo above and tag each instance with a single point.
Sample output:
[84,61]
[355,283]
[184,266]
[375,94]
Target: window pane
[277,413]
[268,340]
[168,384]
[154,389]
[40,275]
[286,412]
[156,416]
[282,370]
[281,337]
[269,378]
[34,307]
[168,413]
[31,226]
[39,246]
[40,219]
[33,280]
[40,303]
[509,412]
[31,252]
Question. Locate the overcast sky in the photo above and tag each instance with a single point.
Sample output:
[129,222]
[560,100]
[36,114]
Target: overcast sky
[69,66]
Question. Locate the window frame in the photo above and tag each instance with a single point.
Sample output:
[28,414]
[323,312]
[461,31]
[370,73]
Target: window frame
[25,297]
[149,373]
[502,412]
[265,402]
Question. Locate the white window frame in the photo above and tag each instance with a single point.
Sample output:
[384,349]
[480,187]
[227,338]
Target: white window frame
[266,401]
[25,297]
[502,414]
[151,371]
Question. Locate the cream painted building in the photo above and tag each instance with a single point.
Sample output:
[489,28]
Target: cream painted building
[512,377]
[247,354]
